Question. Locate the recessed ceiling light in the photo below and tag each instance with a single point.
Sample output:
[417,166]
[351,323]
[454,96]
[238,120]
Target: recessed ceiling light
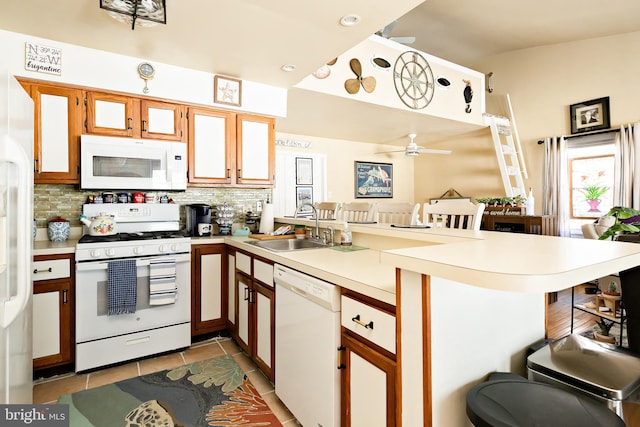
[349,20]
[288,67]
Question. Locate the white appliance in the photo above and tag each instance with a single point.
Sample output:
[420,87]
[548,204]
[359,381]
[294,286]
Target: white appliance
[16,214]
[132,164]
[307,340]
[149,235]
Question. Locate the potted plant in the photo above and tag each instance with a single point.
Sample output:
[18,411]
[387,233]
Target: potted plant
[612,290]
[592,194]
[602,334]
[627,220]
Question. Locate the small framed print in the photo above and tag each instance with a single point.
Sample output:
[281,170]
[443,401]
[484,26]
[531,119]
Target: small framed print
[304,195]
[373,180]
[304,171]
[227,90]
[590,115]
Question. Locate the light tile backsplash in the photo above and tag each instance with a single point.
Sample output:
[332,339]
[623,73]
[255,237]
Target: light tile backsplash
[51,201]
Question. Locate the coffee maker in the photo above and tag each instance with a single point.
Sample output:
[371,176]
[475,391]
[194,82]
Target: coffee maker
[198,219]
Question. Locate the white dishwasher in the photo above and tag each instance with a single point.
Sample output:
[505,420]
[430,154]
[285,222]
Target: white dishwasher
[307,340]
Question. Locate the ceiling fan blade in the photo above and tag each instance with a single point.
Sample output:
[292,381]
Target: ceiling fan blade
[387,30]
[434,151]
[369,84]
[392,151]
[352,86]
[403,40]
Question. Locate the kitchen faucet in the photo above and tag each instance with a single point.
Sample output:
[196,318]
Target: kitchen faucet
[315,213]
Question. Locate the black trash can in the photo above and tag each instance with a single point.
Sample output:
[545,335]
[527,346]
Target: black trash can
[630,284]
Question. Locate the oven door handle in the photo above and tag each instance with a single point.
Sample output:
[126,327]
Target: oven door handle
[103,265]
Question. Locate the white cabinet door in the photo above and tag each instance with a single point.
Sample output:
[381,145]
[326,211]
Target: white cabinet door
[231,285]
[210,144]
[263,328]
[46,324]
[244,288]
[368,393]
[255,150]
[210,287]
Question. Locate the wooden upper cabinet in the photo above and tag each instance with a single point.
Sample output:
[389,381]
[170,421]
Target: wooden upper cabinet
[211,145]
[162,120]
[255,150]
[121,115]
[57,128]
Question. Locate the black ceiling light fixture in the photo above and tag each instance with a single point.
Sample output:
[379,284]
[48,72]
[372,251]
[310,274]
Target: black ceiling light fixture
[145,12]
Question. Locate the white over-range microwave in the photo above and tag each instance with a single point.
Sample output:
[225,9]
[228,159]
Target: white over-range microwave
[132,164]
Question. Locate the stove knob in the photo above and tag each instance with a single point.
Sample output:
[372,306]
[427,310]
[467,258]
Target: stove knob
[95,253]
[110,252]
[163,248]
[175,247]
[138,250]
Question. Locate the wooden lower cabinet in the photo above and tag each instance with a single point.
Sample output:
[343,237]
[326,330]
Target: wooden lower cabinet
[208,289]
[254,327]
[53,311]
[367,384]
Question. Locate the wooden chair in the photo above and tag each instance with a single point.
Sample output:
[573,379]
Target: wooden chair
[397,213]
[463,215]
[357,212]
[327,210]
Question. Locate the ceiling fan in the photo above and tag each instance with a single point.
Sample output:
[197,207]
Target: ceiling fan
[386,31]
[413,149]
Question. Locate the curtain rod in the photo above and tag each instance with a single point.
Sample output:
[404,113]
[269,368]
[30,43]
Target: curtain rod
[587,134]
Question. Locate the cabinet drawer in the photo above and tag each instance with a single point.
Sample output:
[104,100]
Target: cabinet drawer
[369,322]
[263,272]
[243,263]
[51,269]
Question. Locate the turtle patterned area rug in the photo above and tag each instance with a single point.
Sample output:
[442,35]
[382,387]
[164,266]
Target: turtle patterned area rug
[213,392]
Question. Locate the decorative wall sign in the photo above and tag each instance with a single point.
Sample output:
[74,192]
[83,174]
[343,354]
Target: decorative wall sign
[42,59]
[590,115]
[373,180]
[304,171]
[293,143]
[227,90]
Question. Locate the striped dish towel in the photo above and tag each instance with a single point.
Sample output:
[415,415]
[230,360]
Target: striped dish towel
[122,287]
[162,281]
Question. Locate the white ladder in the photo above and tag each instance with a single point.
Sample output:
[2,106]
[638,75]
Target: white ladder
[507,154]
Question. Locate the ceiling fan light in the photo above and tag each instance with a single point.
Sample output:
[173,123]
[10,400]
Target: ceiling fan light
[145,13]
[411,153]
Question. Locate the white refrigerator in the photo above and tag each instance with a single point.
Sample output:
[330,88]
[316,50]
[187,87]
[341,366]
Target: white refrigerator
[16,241]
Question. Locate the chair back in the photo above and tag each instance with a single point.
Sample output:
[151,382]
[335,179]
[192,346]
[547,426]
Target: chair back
[327,210]
[396,213]
[357,212]
[463,215]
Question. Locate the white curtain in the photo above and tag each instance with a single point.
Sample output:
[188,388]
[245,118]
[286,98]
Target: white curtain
[626,190]
[556,183]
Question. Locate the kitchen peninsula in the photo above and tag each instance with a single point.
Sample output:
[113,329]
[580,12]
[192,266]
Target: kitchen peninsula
[467,302]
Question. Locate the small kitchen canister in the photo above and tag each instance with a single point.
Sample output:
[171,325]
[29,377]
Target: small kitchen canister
[59,229]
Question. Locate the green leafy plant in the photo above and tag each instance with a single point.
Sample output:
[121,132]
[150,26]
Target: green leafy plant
[620,213]
[593,191]
[604,327]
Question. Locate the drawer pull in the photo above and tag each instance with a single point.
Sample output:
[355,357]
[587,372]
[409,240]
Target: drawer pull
[361,323]
[340,364]
[48,270]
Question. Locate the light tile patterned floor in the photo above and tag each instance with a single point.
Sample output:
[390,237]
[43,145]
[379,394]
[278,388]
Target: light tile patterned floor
[47,390]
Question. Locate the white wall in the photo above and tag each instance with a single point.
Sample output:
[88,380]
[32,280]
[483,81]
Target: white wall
[341,155]
[104,70]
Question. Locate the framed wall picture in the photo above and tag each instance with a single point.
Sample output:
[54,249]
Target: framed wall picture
[304,195]
[227,90]
[304,171]
[373,180]
[590,115]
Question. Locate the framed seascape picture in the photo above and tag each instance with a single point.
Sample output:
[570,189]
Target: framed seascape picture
[590,115]
[304,171]
[304,195]
[373,180]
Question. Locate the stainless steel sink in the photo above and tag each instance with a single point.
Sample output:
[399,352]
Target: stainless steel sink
[282,245]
